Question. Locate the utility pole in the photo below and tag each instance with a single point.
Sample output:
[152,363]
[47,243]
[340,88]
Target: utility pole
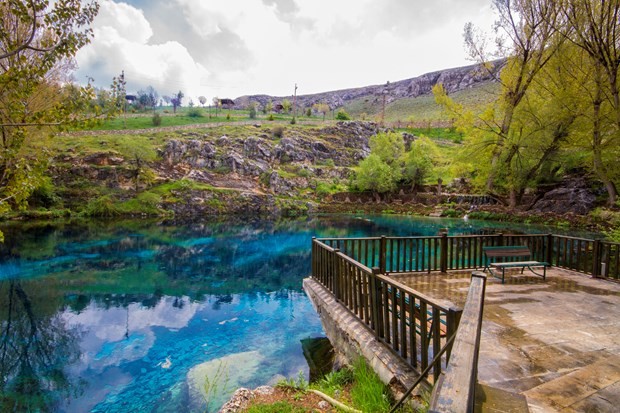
[295,102]
[385,91]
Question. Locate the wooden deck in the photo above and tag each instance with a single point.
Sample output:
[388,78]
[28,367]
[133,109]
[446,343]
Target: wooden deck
[554,341]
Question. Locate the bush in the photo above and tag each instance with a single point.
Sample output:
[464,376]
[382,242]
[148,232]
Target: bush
[252,112]
[228,116]
[45,195]
[156,119]
[342,115]
[103,206]
[270,117]
[309,112]
[194,113]
[293,121]
[278,132]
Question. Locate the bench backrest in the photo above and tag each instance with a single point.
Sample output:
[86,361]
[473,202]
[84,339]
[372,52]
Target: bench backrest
[507,251]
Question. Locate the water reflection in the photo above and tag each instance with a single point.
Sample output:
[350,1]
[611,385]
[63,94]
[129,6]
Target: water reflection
[36,345]
[131,316]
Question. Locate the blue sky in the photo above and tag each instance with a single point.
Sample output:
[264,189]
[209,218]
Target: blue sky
[232,48]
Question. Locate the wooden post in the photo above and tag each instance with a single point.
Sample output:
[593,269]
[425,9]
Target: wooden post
[452,323]
[336,273]
[314,258]
[500,240]
[443,257]
[596,258]
[382,254]
[549,253]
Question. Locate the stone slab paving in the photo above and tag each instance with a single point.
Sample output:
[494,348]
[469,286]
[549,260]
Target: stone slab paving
[554,341]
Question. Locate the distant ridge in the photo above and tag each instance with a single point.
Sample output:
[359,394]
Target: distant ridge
[454,79]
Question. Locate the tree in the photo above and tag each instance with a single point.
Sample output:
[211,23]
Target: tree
[38,40]
[321,108]
[375,175]
[529,26]
[418,161]
[202,100]
[389,147]
[148,98]
[593,27]
[217,103]
[268,108]
[177,101]
[342,115]
[286,106]
[167,99]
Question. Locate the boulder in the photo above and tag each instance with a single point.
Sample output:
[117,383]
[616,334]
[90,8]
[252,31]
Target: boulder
[573,195]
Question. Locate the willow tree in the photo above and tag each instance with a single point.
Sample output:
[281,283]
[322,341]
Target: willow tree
[526,37]
[38,40]
[593,26]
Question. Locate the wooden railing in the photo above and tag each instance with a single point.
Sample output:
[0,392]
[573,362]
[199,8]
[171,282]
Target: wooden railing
[412,325]
[455,389]
[464,252]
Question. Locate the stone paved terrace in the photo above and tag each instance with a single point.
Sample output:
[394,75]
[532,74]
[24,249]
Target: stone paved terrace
[554,341]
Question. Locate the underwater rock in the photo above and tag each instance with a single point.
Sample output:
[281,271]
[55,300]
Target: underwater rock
[319,354]
[212,380]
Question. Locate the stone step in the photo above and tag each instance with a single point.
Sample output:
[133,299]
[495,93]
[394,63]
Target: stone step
[593,387]
[492,400]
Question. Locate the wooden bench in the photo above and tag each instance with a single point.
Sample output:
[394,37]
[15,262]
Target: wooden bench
[508,256]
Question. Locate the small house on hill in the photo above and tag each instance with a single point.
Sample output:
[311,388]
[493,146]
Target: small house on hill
[278,108]
[227,103]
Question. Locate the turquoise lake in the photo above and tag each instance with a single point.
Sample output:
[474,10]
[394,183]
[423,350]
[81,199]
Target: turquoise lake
[141,316]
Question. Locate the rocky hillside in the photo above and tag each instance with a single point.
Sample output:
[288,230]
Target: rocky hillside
[453,80]
[252,170]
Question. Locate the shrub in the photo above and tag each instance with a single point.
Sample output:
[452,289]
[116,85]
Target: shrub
[252,112]
[103,206]
[194,113]
[278,132]
[270,117]
[293,121]
[156,119]
[228,116]
[342,115]
[45,195]
[309,112]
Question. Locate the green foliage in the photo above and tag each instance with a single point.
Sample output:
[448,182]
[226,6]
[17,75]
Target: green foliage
[103,206]
[270,117]
[342,115]
[44,195]
[156,119]
[613,234]
[278,407]
[252,111]
[325,162]
[368,393]
[278,132]
[334,381]
[293,121]
[389,147]
[195,112]
[373,174]
[286,106]
[146,203]
[36,98]
[309,112]
[418,161]
[300,383]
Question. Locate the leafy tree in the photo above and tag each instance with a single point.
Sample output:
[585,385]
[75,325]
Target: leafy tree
[38,40]
[177,101]
[309,112]
[373,174]
[202,100]
[321,108]
[389,147]
[418,161]
[252,110]
[342,115]
[268,108]
[286,106]
[167,99]
[217,103]
[148,98]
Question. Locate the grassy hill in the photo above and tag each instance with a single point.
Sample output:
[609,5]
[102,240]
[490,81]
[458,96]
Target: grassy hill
[421,109]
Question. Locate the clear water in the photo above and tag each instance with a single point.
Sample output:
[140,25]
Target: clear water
[141,316]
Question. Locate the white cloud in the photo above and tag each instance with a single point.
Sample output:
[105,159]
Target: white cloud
[247,46]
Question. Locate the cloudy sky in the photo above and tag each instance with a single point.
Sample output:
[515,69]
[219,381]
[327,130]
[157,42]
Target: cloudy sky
[237,47]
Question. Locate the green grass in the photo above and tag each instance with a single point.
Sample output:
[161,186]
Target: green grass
[278,407]
[368,393]
[421,108]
